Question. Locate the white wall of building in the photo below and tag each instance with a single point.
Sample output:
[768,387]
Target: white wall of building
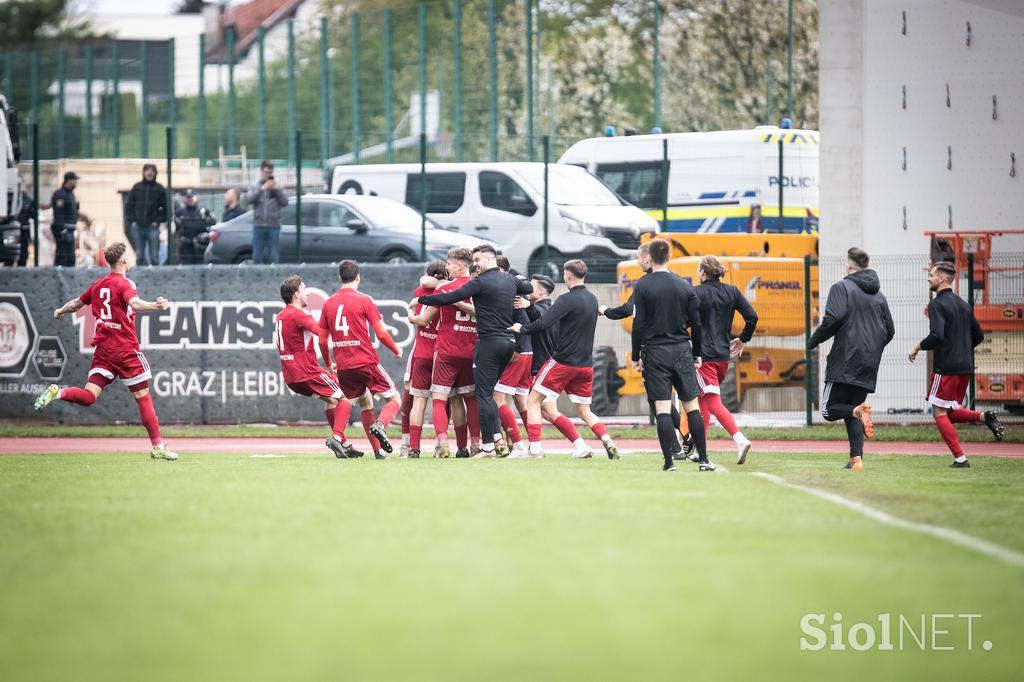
[866,62]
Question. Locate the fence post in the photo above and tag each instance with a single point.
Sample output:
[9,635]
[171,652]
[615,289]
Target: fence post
[232,102]
[547,155]
[809,367]
[172,237]
[60,103]
[657,63]
[457,21]
[116,65]
[789,64]
[664,184]
[389,152]
[769,114]
[970,301]
[201,101]
[88,103]
[529,79]
[35,193]
[291,89]
[172,102]
[261,94]
[423,68]
[298,196]
[34,88]
[355,87]
[144,104]
[782,226]
[423,195]
[492,61]
[323,90]
[8,71]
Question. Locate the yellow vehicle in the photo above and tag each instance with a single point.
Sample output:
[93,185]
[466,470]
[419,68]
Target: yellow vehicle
[775,286]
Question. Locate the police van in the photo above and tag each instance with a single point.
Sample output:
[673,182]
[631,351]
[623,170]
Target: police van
[723,181]
[504,203]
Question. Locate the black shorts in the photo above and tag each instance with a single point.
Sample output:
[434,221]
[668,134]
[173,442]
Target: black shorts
[840,400]
[668,367]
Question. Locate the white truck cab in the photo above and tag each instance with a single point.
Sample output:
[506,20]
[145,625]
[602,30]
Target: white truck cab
[10,181]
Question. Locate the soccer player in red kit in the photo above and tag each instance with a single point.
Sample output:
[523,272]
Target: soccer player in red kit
[114,302]
[294,332]
[347,316]
[453,354]
[419,366]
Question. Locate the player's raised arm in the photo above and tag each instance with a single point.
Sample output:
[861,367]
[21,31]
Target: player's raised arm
[141,306]
[424,316]
[70,307]
[467,290]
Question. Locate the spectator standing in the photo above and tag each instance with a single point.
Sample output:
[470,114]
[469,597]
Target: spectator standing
[65,220]
[232,209]
[266,201]
[25,222]
[145,208]
[192,224]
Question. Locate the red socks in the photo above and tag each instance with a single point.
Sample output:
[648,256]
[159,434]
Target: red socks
[415,434]
[948,433]
[964,416]
[472,417]
[715,406]
[337,418]
[440,417]
[367,418]
[533,432]
[565,427]
[599,430]
[388,412]
[508,422]
[148,416]
[406,411]
[76,395]
[461,435]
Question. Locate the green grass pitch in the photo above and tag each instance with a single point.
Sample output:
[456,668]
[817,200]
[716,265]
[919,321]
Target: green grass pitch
[221,567]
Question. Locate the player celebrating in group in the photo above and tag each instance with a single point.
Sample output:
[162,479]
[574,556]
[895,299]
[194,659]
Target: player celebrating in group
[570,367]
[294,331]
[420,365]
[347,316]
[953,333]
[515,383]
[114,301]
[719,303]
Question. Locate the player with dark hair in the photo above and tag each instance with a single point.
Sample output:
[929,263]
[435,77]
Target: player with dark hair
[420,366]
[114,301]
[347,317]
[719,303]
[666,306]
[493,293]
[570,367]
[857,315]
[294,332]
[953,333]
[452,371]
[515,382]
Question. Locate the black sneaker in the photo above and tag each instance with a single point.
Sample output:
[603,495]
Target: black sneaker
[337,448]
[351,451]
[960,465]
[992,422]
[377,454]
[377,431]
[414,454]
[706,465]
[462,453]
[688,445]
[668,467]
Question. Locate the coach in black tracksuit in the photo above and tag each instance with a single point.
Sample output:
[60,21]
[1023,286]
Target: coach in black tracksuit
[857,315]
[666,306]
[493,293]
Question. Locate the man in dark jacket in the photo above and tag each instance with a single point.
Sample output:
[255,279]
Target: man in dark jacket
[953,333]
[857,315]
[66,214]
[25,217]
[232,209]
[192,223]
[145,208]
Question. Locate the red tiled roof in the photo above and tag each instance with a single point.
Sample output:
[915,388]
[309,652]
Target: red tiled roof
[247,18]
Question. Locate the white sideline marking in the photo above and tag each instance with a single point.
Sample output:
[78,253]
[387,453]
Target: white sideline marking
[270,456]
[948,534]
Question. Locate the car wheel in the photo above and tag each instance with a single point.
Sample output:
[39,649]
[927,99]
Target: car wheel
[398,257]
[243,258]
[607,381]
[552,267]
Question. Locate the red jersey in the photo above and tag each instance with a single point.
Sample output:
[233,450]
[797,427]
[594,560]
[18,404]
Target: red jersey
[115,319]
[426,337]
[295,331]
[456,331]
[348,316]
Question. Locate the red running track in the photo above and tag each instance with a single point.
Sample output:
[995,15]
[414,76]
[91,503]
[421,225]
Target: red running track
[251,446]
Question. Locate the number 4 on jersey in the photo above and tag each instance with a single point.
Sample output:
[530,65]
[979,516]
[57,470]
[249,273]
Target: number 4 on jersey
[340,322]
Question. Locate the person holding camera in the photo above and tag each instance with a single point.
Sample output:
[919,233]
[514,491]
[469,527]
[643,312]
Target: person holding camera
[192,223]
[144,209]
[266,201]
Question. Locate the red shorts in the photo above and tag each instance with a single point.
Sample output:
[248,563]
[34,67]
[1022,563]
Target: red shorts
[577,382]
[452,374]
[516,378]
[130,366]
[949,390]
[711,375]
[318,384]
[354,382]
[417,375]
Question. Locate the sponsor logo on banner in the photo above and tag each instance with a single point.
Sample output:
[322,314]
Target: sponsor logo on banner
[17,334]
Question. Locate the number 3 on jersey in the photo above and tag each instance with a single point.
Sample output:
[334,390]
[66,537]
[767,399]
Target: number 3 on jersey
[105,311]
[340,322]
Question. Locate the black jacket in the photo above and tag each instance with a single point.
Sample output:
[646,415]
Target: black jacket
[575,312]
[666,306]
[146,204]
[65,212]
[232,213]
[493,293]
[953,332]
[192,221]
[545,340]
[718,305]
[857,315]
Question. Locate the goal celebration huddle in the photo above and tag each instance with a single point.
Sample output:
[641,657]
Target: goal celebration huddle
[492,352]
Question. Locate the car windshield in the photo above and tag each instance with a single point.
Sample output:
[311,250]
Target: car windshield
[389,213]
[570,186]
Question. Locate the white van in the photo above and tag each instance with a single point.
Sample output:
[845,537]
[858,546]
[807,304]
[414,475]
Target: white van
[503,202]
[724,181]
